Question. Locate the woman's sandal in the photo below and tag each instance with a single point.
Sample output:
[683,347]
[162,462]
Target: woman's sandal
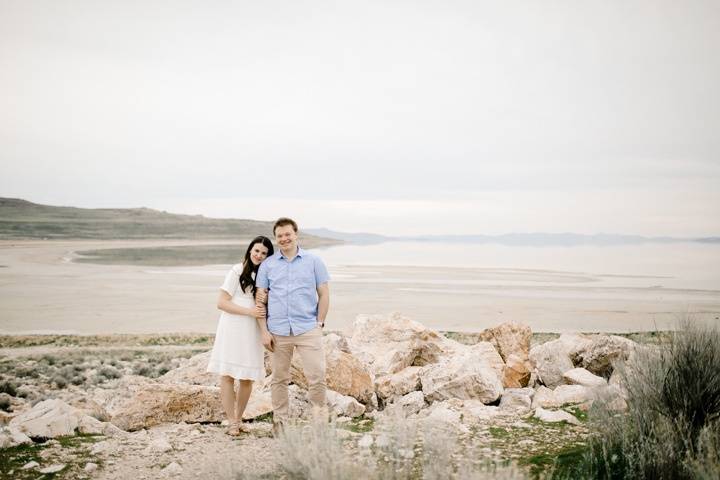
[236,429]
[233,430]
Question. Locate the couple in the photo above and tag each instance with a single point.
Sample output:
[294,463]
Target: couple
[279,301]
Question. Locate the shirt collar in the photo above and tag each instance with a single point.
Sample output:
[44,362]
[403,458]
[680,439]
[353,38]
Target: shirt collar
[300,253]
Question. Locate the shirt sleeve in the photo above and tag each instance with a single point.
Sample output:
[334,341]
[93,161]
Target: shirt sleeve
[261,281]
[232,281]
[321,273]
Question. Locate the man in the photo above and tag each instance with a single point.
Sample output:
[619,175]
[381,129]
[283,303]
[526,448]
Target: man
[295,284]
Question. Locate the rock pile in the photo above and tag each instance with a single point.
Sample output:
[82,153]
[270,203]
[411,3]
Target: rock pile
[390,365]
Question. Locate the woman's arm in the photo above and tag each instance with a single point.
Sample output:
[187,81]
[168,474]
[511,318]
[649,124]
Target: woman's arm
[267,338]
[226,304]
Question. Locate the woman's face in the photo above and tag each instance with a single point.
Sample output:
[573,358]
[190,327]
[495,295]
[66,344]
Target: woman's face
[258,253]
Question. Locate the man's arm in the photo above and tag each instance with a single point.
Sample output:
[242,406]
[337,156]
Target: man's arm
[323,292]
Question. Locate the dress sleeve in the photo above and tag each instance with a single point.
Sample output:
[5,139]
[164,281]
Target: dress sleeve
[232,281]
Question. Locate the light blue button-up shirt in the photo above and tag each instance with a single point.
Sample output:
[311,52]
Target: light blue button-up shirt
[292,291]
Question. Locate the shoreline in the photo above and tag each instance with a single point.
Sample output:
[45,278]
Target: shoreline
[201,340]
[43,292]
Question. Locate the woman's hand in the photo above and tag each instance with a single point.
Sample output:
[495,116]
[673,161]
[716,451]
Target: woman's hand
[259,311]
[261,296]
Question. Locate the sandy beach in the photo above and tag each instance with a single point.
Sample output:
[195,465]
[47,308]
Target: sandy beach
[43,291]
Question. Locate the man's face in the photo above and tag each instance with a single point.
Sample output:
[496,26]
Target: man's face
[286,237]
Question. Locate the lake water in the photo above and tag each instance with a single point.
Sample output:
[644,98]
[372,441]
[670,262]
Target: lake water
[674,265]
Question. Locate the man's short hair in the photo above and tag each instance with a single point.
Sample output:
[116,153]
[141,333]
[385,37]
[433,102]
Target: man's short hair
[282,221]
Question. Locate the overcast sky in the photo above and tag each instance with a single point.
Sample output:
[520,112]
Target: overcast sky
[382,116]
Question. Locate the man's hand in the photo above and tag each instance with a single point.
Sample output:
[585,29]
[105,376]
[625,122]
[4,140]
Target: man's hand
[268,341]
[259,311]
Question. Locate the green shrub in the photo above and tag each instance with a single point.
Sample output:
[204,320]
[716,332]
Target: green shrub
[8,387]
[671,429]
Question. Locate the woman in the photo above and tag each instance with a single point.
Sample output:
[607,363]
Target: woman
[238,350]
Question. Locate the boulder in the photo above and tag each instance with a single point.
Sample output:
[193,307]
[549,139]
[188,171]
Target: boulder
[344,373]
[344,405]
[118,394]
[474,412]
[562,395]
[509,338]
[53,418]
[12,437]
[553,358]
[193,371]
[555,416]
[580,376]
[600,354]
[391,343]
[159,403]
[408,404]
[445,415]
[517,372]
[260,403]
[398,384]
[514,399]
[48,419]
[334,341]
[485,353]
[474,373]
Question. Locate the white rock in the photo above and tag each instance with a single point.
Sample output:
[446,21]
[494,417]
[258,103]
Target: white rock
[90,425]
[48,419]
[475,372]
[474,412]
[160,445]
[554,416]
[173,469]
[30,465]
[344,405]
[90,467]
[12,437]
[580,376]
[53,468]
[408,404]
[509,338]
[390,343]
[446,415]
[602,352]
[366,441]
[193,371]
[553,358]
[336,342]
[573,394]
[515,400]
[398,384]
[562,395]
[101,448]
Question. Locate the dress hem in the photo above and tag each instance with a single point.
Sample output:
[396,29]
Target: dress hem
[235,371]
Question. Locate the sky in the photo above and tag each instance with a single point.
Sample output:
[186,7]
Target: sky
[392,117]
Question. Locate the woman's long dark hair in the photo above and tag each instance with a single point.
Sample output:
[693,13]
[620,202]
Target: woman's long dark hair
[246,277]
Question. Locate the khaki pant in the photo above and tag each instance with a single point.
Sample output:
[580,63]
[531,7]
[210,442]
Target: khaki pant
[309,346]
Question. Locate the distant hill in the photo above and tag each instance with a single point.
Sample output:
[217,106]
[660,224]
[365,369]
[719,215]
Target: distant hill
[512,239]
[21,219]
[359,238]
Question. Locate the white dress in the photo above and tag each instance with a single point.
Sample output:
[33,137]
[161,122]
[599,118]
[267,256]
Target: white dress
[238,349]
